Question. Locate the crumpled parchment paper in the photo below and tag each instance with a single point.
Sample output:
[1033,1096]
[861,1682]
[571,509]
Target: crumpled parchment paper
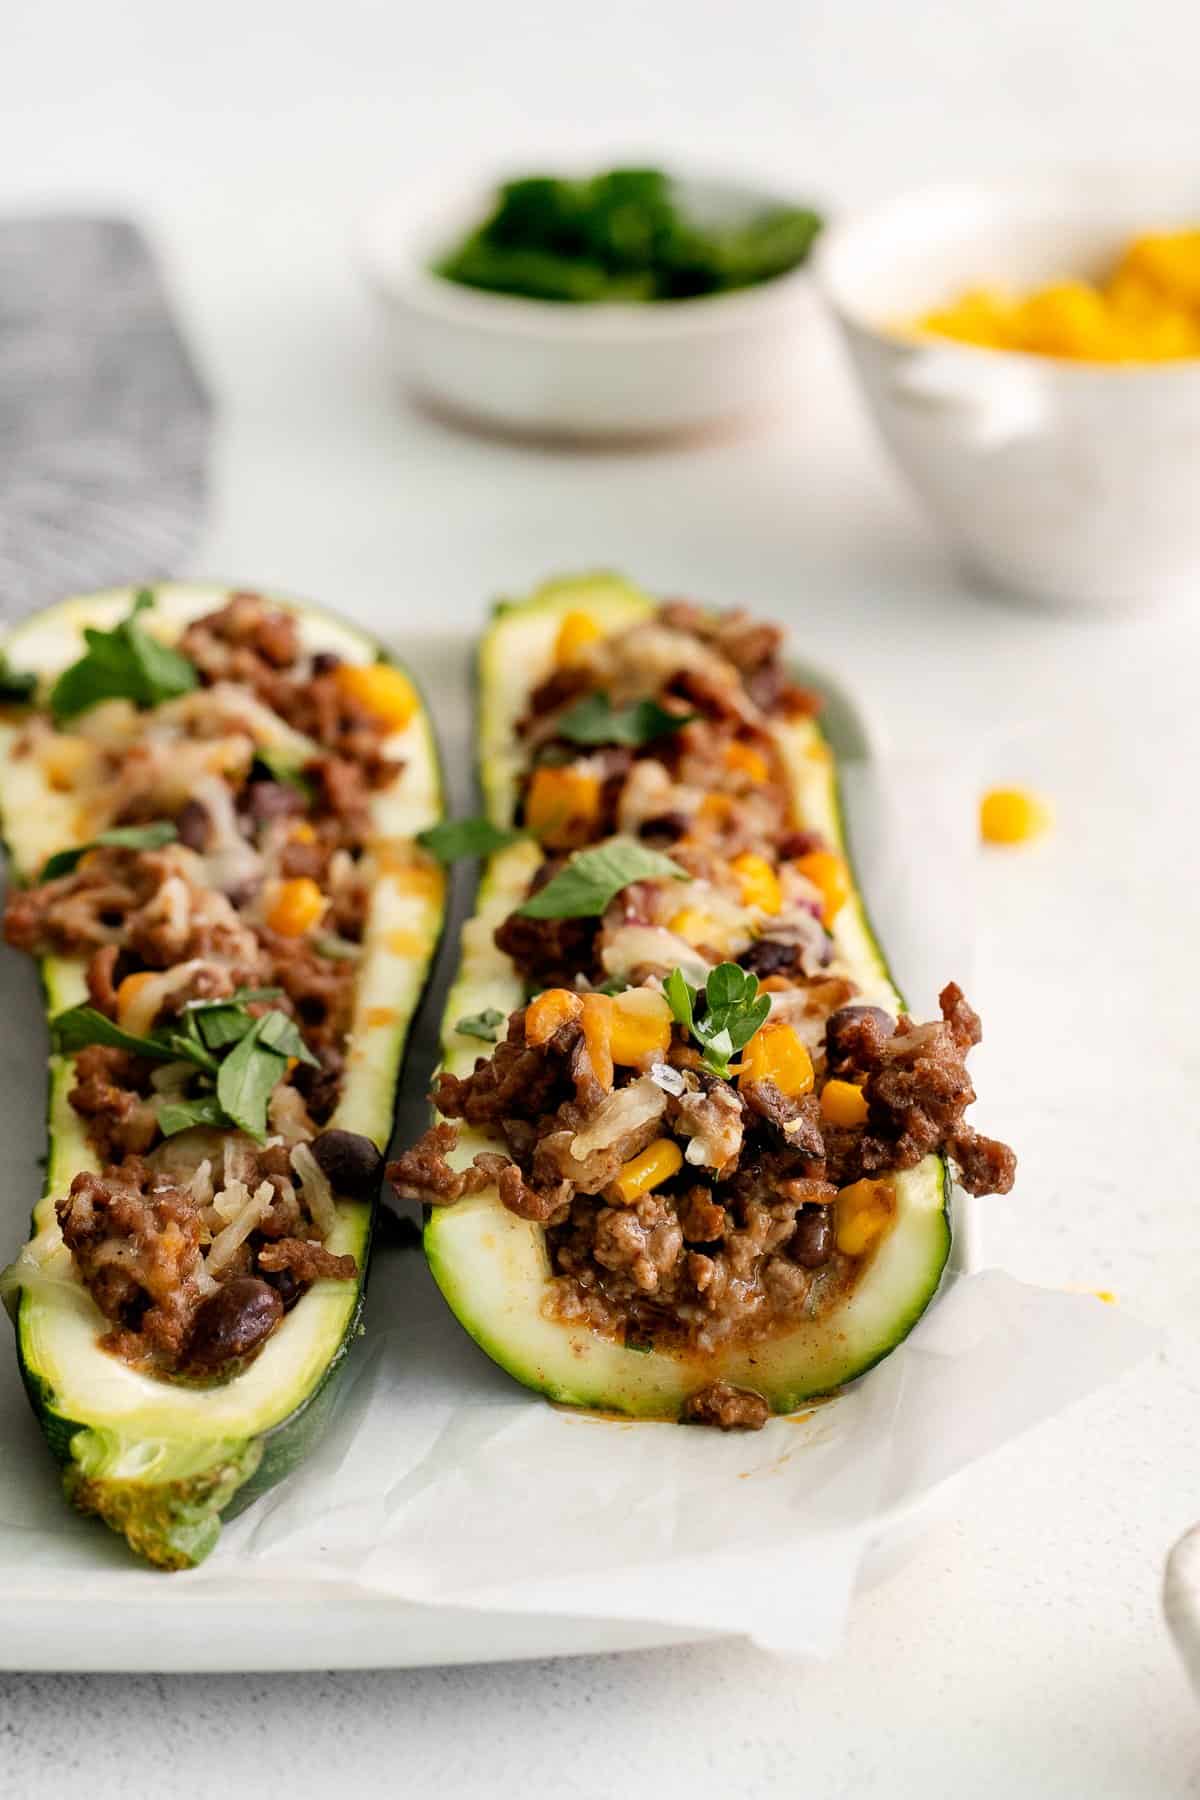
[443,1482]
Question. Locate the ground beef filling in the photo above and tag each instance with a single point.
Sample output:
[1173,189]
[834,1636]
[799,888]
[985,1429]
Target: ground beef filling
[153,1249]
[739,1233]
[194,918]
[740,1243]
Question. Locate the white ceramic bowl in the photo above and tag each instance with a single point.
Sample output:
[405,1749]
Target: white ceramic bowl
[1070,483]
[585,371]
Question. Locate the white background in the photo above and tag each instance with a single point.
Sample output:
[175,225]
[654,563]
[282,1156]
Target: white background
[1022,1651]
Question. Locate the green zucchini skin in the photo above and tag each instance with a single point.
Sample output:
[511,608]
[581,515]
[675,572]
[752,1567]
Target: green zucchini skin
[491,1267]
[166,1483]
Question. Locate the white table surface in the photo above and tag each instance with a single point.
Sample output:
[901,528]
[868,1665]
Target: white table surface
[1023,1650]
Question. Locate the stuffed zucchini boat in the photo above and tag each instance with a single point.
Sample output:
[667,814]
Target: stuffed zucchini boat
[703,1172]
[210,801]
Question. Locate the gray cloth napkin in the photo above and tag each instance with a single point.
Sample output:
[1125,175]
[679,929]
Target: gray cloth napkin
[104,422]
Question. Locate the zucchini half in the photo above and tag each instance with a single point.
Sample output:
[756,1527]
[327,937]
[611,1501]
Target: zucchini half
[491,1266]
[159,1462]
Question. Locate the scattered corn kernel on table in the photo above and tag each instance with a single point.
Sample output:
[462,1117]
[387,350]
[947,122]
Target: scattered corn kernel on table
[1022,1650]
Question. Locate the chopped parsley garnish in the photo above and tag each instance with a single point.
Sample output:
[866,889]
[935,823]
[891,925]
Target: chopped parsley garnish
[724,1018]
[121,837]
[238,1058]
[183,1115]
[80,1026]
[485,1025]
[594,720]
[584,887]
[126,663]
[623,235]
[455,838]
[247,1076]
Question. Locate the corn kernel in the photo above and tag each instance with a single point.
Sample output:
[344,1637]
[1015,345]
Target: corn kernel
[302,833]
[562,805]
[776,1054]
[695,926]
[295,906]
[662,1159]
[746,760]
[1167,262]
[758,881]
[829,873]
[862,1213]
[1145,310]
[843,1103]
[64,759]
[640,1026]
[715,809]
[597,1036]
[128,991]
[550,1009]
[380,689]
[576,632]
[1012,816]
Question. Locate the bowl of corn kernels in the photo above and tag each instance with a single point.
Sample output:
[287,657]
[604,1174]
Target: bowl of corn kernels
[1031,355]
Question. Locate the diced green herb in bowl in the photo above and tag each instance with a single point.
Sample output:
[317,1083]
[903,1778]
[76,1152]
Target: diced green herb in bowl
[627,235]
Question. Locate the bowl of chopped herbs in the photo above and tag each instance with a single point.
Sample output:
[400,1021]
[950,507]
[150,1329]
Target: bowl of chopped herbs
[625,302]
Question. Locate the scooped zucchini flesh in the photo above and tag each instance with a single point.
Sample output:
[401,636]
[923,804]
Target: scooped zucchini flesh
[159,1460]
[494,1267]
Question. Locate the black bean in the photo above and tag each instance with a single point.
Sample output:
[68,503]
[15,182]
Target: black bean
[325,662]
[193,825]
[287,1285]
[241,893]
[352,1163]
[668,826]
[811,1244]
[799,843]
[767,956]
[233,1322]
[266,800]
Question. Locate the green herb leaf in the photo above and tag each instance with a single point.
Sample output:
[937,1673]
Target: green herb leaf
[730,984]
[182,1115]
[247,1077]
[594,720]
[220,1023]
[593,877]
[624,234]
[485,1025]
[281,766]
[126,663]
[220,1026]
[281,1034]
[455,838]
[121,837]
[80,1026]
[13,684]
[681,998]
[733,1011]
